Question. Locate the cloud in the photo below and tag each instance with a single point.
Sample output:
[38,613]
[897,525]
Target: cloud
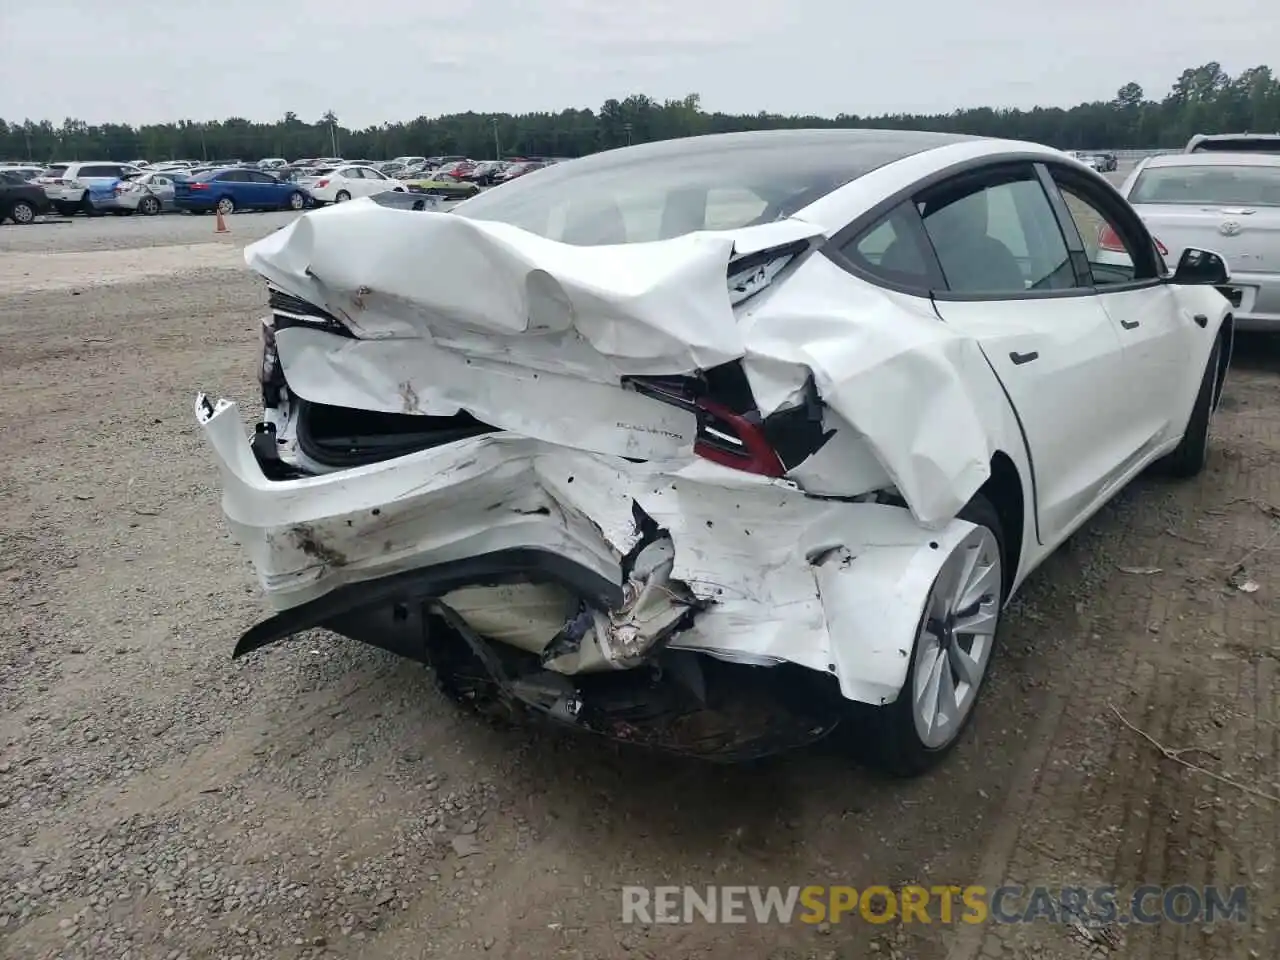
[141,61]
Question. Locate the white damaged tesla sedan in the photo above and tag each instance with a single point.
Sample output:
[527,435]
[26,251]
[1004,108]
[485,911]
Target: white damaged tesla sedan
[715,445]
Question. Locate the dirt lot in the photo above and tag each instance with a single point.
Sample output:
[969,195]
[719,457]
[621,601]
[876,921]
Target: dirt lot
[320,799]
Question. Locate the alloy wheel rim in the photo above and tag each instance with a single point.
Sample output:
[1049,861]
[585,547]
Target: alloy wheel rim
[23,214]
[955,638]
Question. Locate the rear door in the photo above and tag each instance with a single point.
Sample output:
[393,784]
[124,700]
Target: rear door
[1157,333]
[1006,278]
[270,192]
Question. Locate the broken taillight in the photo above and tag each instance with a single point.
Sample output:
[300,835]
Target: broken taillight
[734,440]
[724,436]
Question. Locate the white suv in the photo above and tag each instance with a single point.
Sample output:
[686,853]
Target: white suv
[67,184]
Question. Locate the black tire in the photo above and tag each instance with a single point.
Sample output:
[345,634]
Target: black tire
[296,200]
[22,213]
[341,196]
[86,206]
[149,206]
[886,737]
[1192,452]
[226,206]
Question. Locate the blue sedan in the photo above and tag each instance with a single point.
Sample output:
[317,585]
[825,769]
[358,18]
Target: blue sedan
[235,189]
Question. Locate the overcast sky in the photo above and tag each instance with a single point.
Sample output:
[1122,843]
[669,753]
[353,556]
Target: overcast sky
[381,60]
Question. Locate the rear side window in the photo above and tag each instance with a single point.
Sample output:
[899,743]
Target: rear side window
[56,171]
[1210,184]
[232,176]
[893,249]
[99,170]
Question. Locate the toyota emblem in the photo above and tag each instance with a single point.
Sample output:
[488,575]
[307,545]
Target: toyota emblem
[1229,228]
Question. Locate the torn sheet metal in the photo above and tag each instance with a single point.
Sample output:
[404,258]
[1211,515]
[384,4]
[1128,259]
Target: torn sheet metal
[755,557]
[502,306]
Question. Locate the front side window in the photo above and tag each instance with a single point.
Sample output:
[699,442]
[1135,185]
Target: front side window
[997,237]
[1110,254]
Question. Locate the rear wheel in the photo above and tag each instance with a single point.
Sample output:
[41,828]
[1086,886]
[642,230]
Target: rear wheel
[66,209]
[226,206]
[1191,454]
[86,205]
[297,201]
[148,206]
[949,659]
[22,212]
[341,197]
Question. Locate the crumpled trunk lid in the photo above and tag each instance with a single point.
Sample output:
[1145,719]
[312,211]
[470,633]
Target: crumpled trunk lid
[440,313]
[526,334]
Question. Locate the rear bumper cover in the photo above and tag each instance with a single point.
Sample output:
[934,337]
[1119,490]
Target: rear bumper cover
[775,576]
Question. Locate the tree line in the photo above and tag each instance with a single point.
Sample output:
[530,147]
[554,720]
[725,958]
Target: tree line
[1204,99]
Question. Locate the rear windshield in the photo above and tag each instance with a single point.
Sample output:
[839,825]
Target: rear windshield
[1219,185]
[56,170]
[610,199]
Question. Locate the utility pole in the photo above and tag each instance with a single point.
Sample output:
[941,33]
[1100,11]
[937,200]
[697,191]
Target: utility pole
[627,127]
[497,146]
[333,137]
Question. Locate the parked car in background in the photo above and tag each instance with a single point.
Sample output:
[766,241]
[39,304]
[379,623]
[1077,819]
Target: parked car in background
[229,190]
[1227,201]
[519,169]
[485,172]
[272,163]
[1234,143]
[147,193]
[409,161]
[29,171]
[585,490]
[439,184]
[343,183]
[21,200]
[67,184]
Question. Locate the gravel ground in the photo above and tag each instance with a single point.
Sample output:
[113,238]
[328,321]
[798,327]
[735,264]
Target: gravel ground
[319,798]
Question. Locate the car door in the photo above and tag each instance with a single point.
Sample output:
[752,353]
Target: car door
[162,187]
[271,192]
[1156,332]
[352,181]
[1003,275]
[375,182]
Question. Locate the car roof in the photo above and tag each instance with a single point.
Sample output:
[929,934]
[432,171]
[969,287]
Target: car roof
[1214,158]
[860,150]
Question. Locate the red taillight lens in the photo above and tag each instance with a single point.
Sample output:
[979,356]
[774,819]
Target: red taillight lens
[198,186]
[322,183]
[1108,239]
[731,440]
[1164,251]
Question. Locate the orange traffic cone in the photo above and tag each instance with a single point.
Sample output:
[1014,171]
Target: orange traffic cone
[221,225]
